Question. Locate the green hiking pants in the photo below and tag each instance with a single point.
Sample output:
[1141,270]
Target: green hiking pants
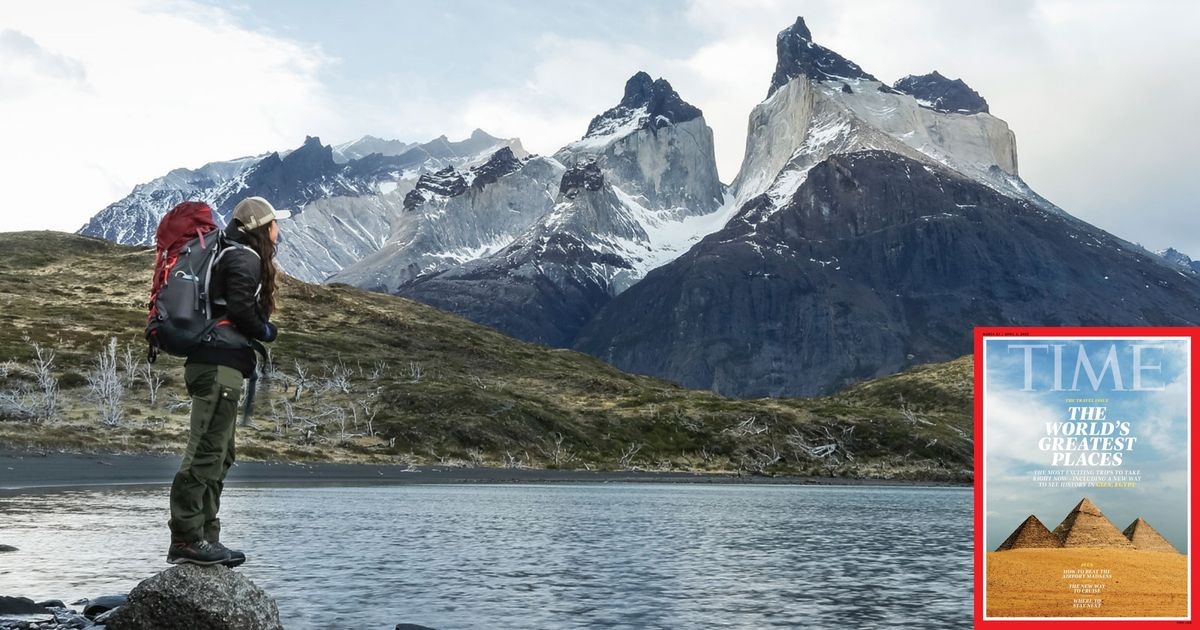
[196,490]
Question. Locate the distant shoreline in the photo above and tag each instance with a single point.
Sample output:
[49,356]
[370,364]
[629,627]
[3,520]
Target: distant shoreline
[26,472]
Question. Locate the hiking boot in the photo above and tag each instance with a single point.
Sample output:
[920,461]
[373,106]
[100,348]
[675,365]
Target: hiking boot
[197,552]
[236,557]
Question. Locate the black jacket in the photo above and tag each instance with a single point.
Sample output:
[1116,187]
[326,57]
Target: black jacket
[234,290]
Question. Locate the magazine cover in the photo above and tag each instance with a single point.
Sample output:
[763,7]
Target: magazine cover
[1083,488]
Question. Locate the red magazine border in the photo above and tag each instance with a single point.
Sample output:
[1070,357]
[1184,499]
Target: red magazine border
[1035,331]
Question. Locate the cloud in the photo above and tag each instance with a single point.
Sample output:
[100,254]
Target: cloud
[106,95]
[577,79]
[24,64]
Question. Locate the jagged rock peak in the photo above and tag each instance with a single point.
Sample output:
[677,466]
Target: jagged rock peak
[447,182]
[647,104]
[945,95]
[501,163]
[480,134]
[311,154]
[797,55]
[583,175]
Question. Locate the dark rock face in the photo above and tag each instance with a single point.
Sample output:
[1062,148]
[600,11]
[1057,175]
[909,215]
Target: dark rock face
[501,163]
[797,55]
[582,176]
[877,262]
[447,182]
[545,285]
[203,598]
[946,95]
[289,182]
[662,103]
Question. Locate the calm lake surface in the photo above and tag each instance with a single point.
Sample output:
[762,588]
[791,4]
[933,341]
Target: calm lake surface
[534,556]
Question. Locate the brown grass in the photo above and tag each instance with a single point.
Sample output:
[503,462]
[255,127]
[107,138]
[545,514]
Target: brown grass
[1030,583]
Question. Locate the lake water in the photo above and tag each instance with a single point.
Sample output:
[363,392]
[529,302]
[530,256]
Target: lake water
[535,556]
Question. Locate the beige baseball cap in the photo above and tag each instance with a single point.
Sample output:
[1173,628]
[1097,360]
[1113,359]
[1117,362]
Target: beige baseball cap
[255,212]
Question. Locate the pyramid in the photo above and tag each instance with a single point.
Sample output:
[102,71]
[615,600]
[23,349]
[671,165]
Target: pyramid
[1030,534]
[1087,526]
[1146,538]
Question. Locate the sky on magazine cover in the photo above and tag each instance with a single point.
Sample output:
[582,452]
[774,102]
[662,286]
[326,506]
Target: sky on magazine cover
[98,97]
[1015,419]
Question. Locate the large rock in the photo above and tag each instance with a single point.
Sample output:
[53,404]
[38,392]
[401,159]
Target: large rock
[199,598]
[20,606]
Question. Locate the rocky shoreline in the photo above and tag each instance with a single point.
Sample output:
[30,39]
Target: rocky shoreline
[40,471]
[22,613]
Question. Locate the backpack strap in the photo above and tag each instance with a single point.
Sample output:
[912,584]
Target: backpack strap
[226,245]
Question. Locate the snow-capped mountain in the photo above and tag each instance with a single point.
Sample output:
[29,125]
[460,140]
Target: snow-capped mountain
[453,216]
[134,219]
[641,188]
[869,228]
[876,226]
[839,108]
[367,145]
[1180,260]
[346,210]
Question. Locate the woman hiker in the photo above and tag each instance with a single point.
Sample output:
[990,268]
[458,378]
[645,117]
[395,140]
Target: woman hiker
[242,290]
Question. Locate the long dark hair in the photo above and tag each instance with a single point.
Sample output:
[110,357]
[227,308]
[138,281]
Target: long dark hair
[260,239]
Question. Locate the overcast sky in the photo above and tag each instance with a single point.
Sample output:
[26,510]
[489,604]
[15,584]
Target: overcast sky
[97,97]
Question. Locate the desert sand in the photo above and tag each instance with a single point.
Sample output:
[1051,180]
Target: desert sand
[1030,583]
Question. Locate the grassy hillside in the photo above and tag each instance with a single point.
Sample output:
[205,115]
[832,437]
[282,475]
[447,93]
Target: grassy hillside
[452,392]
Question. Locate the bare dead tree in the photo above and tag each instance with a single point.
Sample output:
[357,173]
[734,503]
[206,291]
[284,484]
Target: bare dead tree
[369,411]
[301,380]
[555,451]
[763,458]
[107,387]
[18,403]
[47,383]
[628,454]
[910,415]
[130,366]
[749,426]
[337,377]
[153,381]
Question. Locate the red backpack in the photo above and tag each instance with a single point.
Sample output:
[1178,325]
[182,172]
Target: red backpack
[187,242]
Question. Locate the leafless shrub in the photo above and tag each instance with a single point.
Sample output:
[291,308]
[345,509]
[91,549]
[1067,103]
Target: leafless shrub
[511,461]
[178,403]
[337,377]
[107,387]
[130,366]
[381,368]
[414,372]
